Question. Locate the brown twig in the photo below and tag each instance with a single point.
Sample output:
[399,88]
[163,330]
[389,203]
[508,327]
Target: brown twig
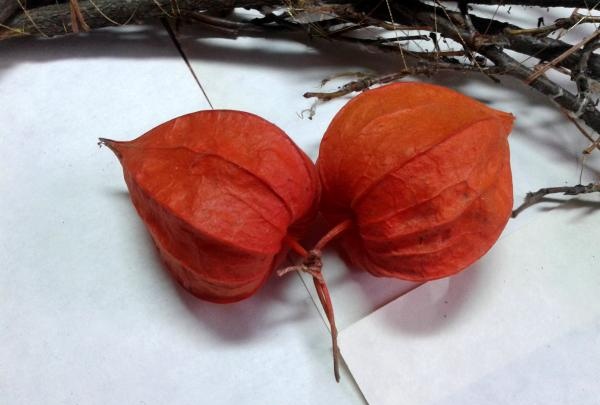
[445,25]
[562,23]
[583,131]
[556,61]
[234,27]
[483,40]
[312,265]
[538,3]
[77,18]
[535,197]
[51,20]
[367,82]
[594,145]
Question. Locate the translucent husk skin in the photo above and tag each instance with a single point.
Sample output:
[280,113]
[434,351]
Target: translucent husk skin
[424,174]
[219,191]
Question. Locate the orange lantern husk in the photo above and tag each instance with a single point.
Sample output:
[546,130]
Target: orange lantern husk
[220,191]
[421,175]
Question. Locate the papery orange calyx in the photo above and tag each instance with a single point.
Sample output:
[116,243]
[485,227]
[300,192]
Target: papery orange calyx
[219,191]
[423,173]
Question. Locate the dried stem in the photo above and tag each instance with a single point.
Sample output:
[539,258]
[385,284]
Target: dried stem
[556,61]
[538,3]
[55,19]
[365,83]
[560,24]
[537,196]
[313,265]
[583,131]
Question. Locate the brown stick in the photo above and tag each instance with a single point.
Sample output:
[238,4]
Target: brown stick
[313,265]
[55,19]
[556,61]
[538,3]
[535,197]
[460,26]
[365,83]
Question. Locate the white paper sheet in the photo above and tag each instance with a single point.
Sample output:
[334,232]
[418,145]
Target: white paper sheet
[87,313]
[139,338]
[520,327]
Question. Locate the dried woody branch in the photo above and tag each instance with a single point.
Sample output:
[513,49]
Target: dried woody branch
[538,196]
[56,19]
[482,41]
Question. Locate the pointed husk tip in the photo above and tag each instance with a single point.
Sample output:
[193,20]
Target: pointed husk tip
[110,144]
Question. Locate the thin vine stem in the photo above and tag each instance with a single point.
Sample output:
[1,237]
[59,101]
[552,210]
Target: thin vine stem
[312,264]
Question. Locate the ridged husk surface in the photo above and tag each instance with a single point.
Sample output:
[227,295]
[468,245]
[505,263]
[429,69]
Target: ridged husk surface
[423,172]
[219,191]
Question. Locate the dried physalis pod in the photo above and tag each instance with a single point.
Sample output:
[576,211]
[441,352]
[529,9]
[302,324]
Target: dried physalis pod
[417,178]
[220,192]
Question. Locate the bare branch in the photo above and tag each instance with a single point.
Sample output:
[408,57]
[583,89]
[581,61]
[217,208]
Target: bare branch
[425,70]
[537,196]
[448,24]
[556,61]
[54,19]
[539,3]
[483,40]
